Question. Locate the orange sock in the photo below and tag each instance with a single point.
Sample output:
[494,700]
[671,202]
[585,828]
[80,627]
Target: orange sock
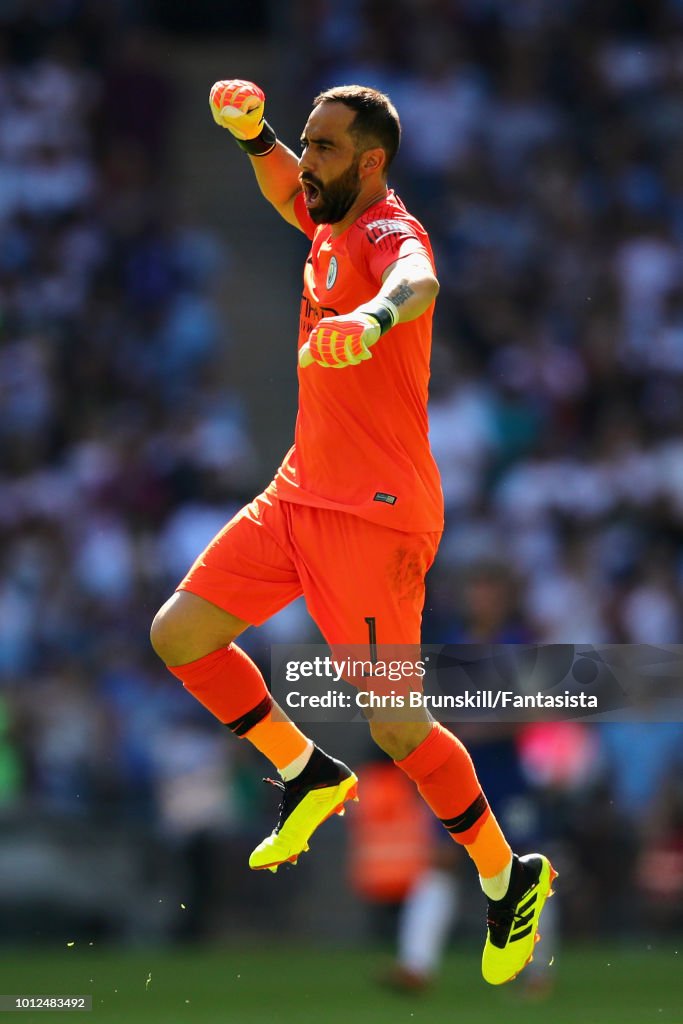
[445,777]
[230,686]
[490,851]
[278,739]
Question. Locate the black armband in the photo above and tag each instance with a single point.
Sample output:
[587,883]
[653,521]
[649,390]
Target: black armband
[383,311]
[262,145]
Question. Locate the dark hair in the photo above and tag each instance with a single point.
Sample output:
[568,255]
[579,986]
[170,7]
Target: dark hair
[376,122]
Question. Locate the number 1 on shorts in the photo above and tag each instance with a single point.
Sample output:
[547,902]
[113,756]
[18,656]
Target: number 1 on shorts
[372,637]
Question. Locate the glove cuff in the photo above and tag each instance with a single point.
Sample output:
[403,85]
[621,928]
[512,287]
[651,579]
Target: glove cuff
[263,144]
[383,311]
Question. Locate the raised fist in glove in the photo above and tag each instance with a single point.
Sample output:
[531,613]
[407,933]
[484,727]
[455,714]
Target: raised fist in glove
[238,106]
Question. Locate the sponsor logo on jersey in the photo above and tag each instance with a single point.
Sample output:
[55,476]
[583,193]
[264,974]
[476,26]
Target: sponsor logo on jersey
[388,499]
[332,273]
[310,315]
[379,229]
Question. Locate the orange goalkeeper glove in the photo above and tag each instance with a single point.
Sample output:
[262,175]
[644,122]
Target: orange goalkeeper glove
[341,341]
[238,106]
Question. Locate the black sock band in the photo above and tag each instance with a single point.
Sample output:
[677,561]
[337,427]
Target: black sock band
[251,718]
[469,817]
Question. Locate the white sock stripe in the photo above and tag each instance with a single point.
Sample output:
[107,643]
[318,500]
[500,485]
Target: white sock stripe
[295,767]
[496,887]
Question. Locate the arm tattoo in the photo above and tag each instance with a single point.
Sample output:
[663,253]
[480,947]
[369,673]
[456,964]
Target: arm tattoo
[401,294]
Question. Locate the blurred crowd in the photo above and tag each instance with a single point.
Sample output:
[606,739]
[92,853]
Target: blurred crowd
[122,447]
[543,150]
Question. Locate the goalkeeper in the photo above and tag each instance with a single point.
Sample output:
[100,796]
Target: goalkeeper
[354,515]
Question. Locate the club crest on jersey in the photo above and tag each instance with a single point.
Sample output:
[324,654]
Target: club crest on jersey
[332,273]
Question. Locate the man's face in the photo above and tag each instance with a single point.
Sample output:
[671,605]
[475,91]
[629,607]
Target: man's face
[329,164]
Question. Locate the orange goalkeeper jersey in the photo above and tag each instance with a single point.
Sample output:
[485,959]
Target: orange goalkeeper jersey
[361,439]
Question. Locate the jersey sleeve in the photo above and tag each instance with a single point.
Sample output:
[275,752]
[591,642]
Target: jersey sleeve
[388,239]
[303,216]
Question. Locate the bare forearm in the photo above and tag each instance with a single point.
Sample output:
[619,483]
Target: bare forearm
[277,175]
[238,106]
[411,288]
[408,289]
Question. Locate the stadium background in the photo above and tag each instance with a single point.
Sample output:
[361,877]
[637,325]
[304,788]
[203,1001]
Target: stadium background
[148,304]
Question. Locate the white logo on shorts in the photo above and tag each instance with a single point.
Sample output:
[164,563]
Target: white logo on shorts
[332,272]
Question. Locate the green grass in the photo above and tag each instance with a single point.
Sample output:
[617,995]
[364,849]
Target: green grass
[302,985]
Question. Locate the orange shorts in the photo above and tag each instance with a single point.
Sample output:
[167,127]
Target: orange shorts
[347,568]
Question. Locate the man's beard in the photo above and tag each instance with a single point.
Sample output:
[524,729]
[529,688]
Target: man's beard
[337,197]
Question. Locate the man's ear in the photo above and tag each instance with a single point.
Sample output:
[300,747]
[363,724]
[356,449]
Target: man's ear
[372,161]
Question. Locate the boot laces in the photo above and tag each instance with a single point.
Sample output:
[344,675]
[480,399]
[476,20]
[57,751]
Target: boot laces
[284,802]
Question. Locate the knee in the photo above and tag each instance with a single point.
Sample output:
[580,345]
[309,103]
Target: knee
[167,635]
[398,739]
[387,737]
[188,628]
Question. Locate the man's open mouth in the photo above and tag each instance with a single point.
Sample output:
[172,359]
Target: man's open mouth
[311,194]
